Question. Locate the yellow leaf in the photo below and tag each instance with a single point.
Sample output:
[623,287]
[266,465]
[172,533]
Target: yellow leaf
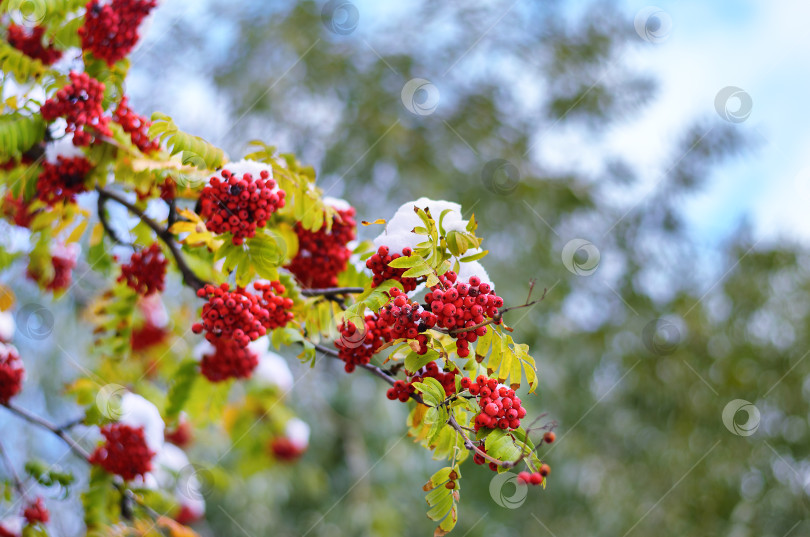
[7,298]
[377,221]
[97,234]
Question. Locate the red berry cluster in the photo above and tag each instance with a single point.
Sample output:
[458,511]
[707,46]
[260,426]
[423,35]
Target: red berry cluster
[17,210]
[285,449]
[80,103]
[240,205]
[125,452]
[229,360]
[185,515]
[11,373]
[62,276]
[407,319]
[29,42]
[146,336]
[146,271]
[534,478]
[136,126]
[378,263]
[500,407]
[111,31]
[181,436]
[356,347]
[242,316]
[63,180]
[36,512]
[402,390]
[463,305]
[323,255]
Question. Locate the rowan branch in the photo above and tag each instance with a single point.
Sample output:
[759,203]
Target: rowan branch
[498,316]
[191,279]
[45,424]
[15,477]
[332,291]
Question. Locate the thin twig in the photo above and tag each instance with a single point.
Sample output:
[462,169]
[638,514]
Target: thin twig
[42,422]
[105,224]
[18,484]
[191,279]
[498,316]
[331,291]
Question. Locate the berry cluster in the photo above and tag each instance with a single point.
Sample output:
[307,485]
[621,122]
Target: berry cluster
[36,512]
[63,180]
[182,435]
[110,31]
[242,316]
[136,126]
[146,271]
[402,390]
[11,373]
[29,42]
[407,319]
[534,478]
[229,360]
[500,407]
[356,347]
[323,255]
[460,305]
[125,452]
[378,263]
[146,336]
[479,459]
[63,262]
[17,209]
[80,103]
[240,205]
[285,449]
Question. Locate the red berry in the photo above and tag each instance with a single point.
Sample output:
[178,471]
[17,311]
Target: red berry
[545,470]
[136,126]
[29,42]
[80,103]
[549,437]
[524,477]
[11,372]
[36,512]
[64,180]
[323,255]
[536,478]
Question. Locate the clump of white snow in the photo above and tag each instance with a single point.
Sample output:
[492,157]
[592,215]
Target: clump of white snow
[272,369]
[252,167]
[399,233]
[7,326]
[297,432]
[138,412]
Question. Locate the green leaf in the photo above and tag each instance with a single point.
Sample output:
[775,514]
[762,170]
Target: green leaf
[407,261]
[180,390]
[501,445]
[415,362]
[416,272]
[474,257]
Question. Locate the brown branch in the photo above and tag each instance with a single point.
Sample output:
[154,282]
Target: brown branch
[332,291]
[105,224]
[42,422]
[15,477]
[191,279]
